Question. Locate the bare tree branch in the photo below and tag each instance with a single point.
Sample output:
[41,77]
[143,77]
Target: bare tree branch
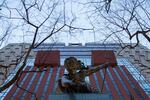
[53,22]
[127,20]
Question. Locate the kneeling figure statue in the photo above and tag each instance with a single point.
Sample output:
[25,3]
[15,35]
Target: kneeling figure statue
[74,81]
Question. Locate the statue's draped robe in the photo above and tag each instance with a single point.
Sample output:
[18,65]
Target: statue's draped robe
[73,87]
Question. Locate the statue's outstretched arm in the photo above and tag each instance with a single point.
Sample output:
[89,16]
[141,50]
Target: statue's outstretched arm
[97,68]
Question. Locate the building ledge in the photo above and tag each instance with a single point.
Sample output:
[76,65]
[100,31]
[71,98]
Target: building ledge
[88,96]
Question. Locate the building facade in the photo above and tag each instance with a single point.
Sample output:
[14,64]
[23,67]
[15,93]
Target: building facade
[129,80]
[139,57]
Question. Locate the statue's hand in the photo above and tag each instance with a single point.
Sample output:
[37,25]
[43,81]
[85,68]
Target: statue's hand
[107,64]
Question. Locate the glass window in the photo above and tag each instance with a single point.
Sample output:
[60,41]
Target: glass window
[135,73]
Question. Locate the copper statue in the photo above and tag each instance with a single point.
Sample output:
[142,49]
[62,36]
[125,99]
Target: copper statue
[74,81]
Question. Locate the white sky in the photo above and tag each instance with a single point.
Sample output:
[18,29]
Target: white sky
[79,36]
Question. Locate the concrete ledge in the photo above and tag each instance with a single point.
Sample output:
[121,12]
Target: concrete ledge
[88,96]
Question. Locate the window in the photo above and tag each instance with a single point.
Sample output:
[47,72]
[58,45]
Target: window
[136,74]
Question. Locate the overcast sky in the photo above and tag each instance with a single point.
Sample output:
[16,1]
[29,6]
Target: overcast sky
[73,9]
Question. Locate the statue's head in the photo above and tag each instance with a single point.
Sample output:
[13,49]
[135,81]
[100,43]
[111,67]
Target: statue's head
[71,64]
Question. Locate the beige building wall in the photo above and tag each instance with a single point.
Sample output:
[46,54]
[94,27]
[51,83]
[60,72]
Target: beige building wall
[9,57]
[140,58]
